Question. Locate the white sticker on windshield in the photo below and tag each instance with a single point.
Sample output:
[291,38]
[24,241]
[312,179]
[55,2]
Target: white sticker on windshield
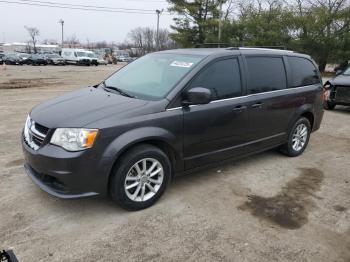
[181,64]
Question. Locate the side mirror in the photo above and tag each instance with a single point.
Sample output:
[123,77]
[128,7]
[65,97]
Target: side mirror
[197,96]
[338,72]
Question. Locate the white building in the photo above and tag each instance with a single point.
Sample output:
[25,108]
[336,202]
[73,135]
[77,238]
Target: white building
[24,47]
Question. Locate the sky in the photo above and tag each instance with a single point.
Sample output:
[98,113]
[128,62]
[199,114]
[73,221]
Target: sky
[86,25]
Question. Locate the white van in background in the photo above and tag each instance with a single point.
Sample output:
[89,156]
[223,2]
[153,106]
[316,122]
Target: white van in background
[93,58]
[75,56]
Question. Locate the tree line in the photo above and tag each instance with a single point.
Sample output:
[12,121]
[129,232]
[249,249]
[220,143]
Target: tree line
[146,40]
[320,28]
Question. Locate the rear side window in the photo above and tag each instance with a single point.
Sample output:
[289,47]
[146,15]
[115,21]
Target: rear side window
[303,72]
[222,78]
[265,74]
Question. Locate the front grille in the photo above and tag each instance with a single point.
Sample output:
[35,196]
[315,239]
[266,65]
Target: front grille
[41,129]
[34,134]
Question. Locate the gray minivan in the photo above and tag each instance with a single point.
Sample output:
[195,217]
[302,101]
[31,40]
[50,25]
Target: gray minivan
[168,113]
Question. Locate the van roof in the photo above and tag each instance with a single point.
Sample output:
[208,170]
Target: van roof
[234,50]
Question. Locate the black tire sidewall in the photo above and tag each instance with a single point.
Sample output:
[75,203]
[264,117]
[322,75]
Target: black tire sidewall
[117,181]
[329,105]
[290,150]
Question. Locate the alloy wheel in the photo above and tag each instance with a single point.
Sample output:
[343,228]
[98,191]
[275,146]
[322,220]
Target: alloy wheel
[144,179]
[299,137]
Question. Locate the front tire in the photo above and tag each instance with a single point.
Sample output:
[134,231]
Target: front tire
[298,138]
[140,177]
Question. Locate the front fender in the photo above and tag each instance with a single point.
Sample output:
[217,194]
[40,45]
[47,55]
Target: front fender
[135,136]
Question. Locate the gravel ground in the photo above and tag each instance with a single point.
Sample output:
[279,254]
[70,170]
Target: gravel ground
[267,207]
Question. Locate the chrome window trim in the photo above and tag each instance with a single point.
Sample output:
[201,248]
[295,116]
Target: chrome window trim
[238,97]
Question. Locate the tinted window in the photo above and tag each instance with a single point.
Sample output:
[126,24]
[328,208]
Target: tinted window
[222,78]
[303,72]
[265,74]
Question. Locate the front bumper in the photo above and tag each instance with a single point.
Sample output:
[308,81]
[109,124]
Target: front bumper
[339,95]
[84,62]
[52,186]
[58,62]
[65,174]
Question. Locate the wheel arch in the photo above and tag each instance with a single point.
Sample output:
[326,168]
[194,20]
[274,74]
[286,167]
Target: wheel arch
[154,136]
[305,111]
[309,116]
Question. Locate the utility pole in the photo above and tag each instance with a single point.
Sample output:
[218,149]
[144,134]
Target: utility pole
[159,12]
[220,24]
[62,24]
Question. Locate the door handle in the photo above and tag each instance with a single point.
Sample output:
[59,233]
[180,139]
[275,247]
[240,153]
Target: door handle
[239,108]
[257,105]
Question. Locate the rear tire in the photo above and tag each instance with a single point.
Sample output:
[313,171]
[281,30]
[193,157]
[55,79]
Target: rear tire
[298,138]
[140,177]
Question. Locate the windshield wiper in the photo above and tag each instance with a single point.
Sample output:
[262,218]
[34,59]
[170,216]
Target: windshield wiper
[120,91]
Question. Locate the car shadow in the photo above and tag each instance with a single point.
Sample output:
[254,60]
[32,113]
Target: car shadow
[223,167]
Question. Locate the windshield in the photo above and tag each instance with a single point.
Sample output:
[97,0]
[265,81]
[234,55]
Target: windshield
[347,71]
[154,75]
[91,55]
[81,54]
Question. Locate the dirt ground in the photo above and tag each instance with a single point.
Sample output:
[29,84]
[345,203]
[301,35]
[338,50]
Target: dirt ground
[267,207]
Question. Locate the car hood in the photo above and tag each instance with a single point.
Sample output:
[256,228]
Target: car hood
[341,80]
[84,106]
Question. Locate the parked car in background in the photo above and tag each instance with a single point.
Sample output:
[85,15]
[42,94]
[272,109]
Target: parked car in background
[12,59]
[101,60]
[24,57]
[169,113]
[338,90]
[37,59]
[1,57]
[93,58]
[75,56]
[122,59]
[55,59]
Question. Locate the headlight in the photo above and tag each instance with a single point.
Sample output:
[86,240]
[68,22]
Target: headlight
[74,139]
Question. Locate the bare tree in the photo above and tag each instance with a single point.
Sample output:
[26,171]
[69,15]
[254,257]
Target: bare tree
[28,48]
[33,33]
[144,39]
[136,36]
[149,37]
[165,42]
[72,41]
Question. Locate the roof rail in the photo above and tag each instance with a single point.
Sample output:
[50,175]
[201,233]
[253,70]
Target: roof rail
[212,45]
[270,48]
